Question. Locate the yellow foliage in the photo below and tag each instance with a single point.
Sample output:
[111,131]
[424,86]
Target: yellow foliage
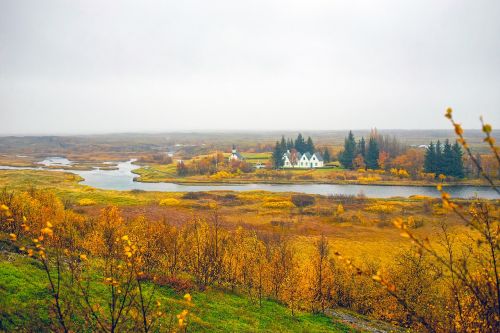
[86,202]
[221,175]
[381,208]
[340,209]
[278,204]
[369,179]
[169,202]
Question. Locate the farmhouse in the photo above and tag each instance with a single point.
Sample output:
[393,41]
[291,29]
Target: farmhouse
[294,159]
[235,155]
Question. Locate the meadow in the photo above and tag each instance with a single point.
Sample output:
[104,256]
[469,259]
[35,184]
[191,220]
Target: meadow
[358,228]
[76,258]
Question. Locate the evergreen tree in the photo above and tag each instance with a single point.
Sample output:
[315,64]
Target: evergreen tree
[289,144]
[362,147]
[372,153]
[438,161]
[348,154]
[300,144]
[458,163]
[447,160]
[430,159]
[278,155]
[283,145]
[326,156]
[310,145]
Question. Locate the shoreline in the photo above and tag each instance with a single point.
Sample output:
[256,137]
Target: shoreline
[239,182]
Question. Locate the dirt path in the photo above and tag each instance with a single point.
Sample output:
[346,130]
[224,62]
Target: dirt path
[362,323]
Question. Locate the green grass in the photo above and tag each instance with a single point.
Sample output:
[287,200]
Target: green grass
[226,312]
[257,156]
[24,303]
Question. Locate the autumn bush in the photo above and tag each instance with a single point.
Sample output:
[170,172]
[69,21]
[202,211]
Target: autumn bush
[86,202]
[169,202]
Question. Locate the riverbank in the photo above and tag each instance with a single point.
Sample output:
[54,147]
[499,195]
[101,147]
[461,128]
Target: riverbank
[167,174]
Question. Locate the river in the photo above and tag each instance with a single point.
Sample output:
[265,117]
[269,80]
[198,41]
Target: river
[122,179]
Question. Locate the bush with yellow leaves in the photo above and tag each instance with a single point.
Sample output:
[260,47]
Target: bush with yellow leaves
[170,202]
[86,202]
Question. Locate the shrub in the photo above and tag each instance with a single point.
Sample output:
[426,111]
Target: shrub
[221,175]
[278,204]
[303,200]
[86,202]
[193,195]
[381,208]
[169,202]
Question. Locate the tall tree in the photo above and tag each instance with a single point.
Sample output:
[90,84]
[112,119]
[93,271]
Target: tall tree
[348,154]
[278,155]
[283,144]
[447,160]
[430,158]
[310,145]
[372,154]
[362,147]
[326,156]
[438,164]
[300,144]
[458,163]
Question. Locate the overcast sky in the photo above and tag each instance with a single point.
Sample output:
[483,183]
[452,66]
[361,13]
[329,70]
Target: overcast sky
[114,66]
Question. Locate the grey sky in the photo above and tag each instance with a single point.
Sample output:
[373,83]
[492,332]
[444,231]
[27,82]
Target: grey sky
[113,66]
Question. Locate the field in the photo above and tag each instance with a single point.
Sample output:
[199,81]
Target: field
[236,261]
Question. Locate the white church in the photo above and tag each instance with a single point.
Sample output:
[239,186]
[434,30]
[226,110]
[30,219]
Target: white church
[294,159]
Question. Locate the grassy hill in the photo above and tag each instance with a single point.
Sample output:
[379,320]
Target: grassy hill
[24,300]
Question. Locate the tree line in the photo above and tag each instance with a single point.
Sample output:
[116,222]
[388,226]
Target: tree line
[300,144]
[358,155]
[444,159]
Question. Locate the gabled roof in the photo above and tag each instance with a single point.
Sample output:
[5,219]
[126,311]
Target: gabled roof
[307,155]
[319,156]
[288,155]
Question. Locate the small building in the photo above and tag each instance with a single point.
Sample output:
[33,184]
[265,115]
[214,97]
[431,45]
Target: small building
[294,159]
[235,155]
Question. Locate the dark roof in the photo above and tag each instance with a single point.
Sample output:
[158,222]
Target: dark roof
[319,156]
[307,155]
[289,155]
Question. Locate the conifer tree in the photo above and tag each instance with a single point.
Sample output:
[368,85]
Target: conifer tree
[283,145]
[310,145]
[326,156]
[430,158]
[300,144]
[438,162]
[278,155]
[372,154]
[362,147]
[458,163]
[447,160]
[348,154]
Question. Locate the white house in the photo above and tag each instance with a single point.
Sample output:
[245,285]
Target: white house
[294,159]
[235,155]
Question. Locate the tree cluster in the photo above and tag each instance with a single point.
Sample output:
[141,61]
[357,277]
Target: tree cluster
[444,159]
[357,155]
[210,165]
[299,144]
